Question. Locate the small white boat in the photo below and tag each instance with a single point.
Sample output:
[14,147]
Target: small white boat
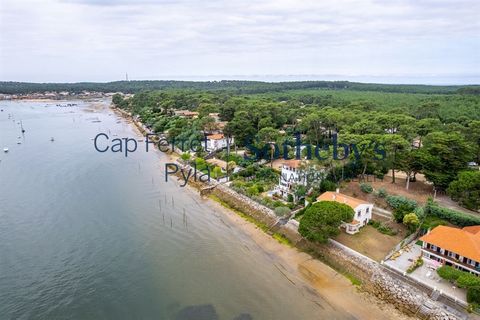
[19,142]
[52,139]
[5,149]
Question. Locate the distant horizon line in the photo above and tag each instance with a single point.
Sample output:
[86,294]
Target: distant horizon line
[394,79]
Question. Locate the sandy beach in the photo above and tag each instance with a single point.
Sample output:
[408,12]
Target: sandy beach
[306,273]
[313,276]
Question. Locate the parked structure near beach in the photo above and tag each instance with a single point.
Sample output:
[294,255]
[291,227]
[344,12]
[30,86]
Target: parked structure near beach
[362,209]
[459,248]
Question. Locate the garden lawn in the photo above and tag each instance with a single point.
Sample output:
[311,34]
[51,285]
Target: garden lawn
[370,242]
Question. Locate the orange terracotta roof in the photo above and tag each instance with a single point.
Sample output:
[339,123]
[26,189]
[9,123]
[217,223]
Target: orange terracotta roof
[217,136]
[461,241]
[354,222]
[293,163]
[341,198]
[472,229]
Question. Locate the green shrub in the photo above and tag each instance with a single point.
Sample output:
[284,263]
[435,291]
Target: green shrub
[411,221]
[327,185]
[278,203]
[365,187]
[401,206]
[473,295]
[374,223]
[253,190]
[290,198]
[382,228]
[449,273]
[455,217]
[282,211]
[186,156]
[468,280]
[419,212]
[398,201]
[416,264]
[431,222]
[463,280]
[386,230]
[382,193]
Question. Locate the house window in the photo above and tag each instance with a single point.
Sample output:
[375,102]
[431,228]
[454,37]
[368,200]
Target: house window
[368,209]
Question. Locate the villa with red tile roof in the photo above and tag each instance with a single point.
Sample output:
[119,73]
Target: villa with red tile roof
[217,141]
[459,248]
[362,210]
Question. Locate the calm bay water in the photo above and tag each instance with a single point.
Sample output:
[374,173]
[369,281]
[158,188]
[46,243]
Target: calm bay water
[88,235]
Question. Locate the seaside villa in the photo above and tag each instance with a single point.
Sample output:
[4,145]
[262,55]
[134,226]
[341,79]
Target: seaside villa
[459,248]
[291,176]
[217,141]
[362,209]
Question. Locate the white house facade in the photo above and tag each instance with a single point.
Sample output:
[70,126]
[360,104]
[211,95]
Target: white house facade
[291,176]
[362,210]
[217,142]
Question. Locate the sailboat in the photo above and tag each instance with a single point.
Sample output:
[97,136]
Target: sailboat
[21,125]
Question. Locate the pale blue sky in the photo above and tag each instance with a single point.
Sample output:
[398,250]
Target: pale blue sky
[415,41]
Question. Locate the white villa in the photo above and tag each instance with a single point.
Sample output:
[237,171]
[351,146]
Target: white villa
[362,209]
[291,175]
[217,142]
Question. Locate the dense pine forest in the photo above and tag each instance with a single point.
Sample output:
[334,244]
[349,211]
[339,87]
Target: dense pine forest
[436,134]
[226,85]
[433,130]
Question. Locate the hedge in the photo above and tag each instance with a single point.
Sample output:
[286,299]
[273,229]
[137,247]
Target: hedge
[454,217]
[463,280]
[473,295]
[449,273]
[397,201]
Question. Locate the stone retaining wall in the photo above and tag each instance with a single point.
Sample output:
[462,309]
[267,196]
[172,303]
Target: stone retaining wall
[376,279]
[246,205]
[379,281]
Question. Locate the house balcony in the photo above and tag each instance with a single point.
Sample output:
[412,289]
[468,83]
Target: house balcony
[453,260]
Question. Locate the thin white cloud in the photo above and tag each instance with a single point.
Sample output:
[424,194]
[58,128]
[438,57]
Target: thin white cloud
[74,40]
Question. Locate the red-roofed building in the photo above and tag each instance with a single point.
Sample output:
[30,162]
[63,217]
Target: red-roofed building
[362,210]
[459,248]
[217,142]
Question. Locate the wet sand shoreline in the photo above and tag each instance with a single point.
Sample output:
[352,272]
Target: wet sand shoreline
[302,270]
